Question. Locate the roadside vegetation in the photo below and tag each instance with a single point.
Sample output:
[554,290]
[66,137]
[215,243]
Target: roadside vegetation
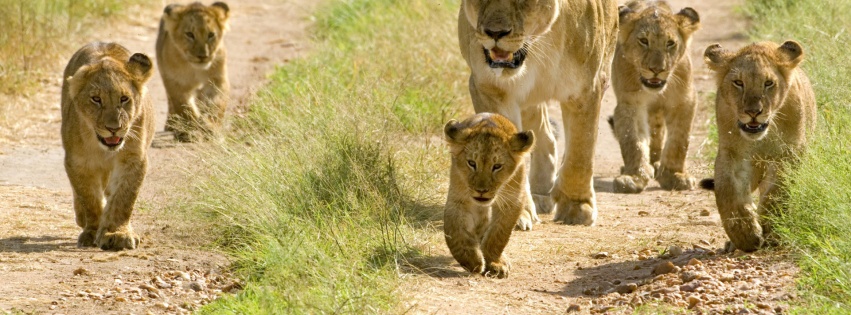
[326,185]
[816,224]
[36,36]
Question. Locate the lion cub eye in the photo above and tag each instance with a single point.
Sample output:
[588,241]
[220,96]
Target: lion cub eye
[738,83]
[124,99]
[671,44]
[471,163]
[769,83]
[643,41]
[497,167]
[211,37]
[189,35]
[96,99]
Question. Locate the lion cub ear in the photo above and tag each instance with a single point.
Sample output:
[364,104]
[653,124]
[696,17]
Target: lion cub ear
[456,136]
[171,15]
[688,20]
[141,68]
[716,58]
[77,81]
[625,16]
[523,141]
[790,54]
[223,9]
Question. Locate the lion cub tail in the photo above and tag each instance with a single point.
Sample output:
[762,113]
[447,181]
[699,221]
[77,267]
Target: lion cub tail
[707,183]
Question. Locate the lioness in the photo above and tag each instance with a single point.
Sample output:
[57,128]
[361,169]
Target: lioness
[487,190]
[523,54]
[193,65]
[107,127]
[652,79]
[765,109]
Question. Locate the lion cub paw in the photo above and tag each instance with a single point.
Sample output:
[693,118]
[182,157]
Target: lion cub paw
[628,184]
[498,269]
[575,213]
[116,240]
[528,218]
[87,238]
[676,181]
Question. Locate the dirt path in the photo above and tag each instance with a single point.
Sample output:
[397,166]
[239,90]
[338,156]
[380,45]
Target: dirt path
[41,268]
[557,268]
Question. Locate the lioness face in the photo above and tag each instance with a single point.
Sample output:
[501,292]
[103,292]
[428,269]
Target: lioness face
[508,29]
[107,98]
[655,40]
[753,83]
[197,30]
[486,151]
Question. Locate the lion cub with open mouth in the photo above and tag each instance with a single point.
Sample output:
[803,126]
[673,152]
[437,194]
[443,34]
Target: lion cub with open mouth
[487,183]
[765,110]
[107,127]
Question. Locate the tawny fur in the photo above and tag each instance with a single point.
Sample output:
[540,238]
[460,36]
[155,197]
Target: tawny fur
[104,96]
[652,121]
[759,86]
[569,47]
[487,183]
[192,61]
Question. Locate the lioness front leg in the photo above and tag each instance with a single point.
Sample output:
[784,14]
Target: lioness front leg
[739,214]
[631,128]
[574,189]
[672,174]
[542,167]
[88,202]
[115,232]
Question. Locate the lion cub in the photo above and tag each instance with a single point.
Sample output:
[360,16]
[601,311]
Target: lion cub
[765,109]
[487,183]
[193,65]
[107,127]
[652,79]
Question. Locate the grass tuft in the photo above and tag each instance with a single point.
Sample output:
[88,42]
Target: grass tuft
[819,204]
[324,185]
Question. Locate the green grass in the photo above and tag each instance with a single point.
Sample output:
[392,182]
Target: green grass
[817,221]
[325,185]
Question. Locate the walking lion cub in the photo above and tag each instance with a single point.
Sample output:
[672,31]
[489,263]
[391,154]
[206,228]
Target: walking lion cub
[487,190]
[107,127]
[765,110]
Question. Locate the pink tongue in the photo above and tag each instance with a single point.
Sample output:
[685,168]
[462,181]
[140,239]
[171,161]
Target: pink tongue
[500,55]
[112,140]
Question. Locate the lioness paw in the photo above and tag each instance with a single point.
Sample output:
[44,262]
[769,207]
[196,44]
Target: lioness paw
[628,184]
[116,240]
[86,238]
[575,213]
[675,181]
[543,203]
[498,269]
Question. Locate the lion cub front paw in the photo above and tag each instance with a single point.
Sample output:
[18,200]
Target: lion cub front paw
[675,181]
[118,240]
[628,184]
[575,212]
[86,238]
[498,269]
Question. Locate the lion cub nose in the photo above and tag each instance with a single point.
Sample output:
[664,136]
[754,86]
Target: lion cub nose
[482,191]
[496,34]
[753,112]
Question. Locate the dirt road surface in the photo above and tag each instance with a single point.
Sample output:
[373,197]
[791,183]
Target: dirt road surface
[42,269]
[556,268]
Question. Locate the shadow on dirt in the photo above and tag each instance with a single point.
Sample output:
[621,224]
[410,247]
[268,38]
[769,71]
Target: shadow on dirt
[442,267]
[597,280]
[21,244]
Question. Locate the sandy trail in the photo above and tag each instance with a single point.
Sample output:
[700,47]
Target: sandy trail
[43,271]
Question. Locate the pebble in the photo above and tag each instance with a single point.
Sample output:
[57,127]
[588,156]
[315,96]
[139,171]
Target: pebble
[665,268]
[704,213]
[690,287]
[626,288]
[601,255]
[574,308]
[149,288]
[675,250]
[197,286]
[81,271]
[692,301]
[687,276]
[643,213]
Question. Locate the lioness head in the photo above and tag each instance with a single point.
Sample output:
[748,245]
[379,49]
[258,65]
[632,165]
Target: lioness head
[655,39]
[753,82]
[197,30]
[486,151]
[506,29]
[108,96]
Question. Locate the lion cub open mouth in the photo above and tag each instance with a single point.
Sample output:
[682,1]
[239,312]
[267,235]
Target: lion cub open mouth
[498,58]
[111,142]
[653,83]
[753,126]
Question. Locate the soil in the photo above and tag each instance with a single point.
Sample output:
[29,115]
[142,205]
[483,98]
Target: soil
[657,247]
